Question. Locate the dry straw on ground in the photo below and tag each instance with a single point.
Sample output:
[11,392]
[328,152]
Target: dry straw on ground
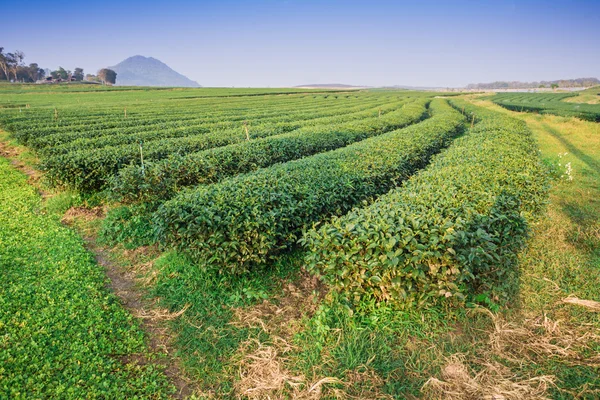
[493,382]
[82,213]
[538,337]
[589,304]
[530,340]
[263,371]
[156,313]
[264,376]
[283,316]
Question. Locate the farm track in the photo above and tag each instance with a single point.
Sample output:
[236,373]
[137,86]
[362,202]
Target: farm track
[12,153]
[123,284]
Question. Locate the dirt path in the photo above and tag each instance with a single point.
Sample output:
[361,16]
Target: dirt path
[13,154]
[123,284]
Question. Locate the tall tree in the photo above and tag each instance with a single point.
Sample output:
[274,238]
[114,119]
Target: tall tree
[107,76]
[35,72]
[61,73]
[7,62]
[78,74]
[3,63]
[91,78]
[16,60]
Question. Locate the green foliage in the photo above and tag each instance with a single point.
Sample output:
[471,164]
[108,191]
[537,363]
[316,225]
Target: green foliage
[62,201]
[129,225]
[83,146]
[548,103]
[449,231]
[161,180]
[244,221]
[53,140]
[402,348]
[62,334]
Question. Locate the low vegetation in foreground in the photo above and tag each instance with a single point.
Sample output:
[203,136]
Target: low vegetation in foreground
[63,335]
[321,245]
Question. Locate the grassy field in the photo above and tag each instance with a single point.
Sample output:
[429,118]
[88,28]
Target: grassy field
[279,331]
[589,96]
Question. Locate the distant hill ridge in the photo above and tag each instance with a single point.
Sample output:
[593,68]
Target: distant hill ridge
[148,71]
[579,82]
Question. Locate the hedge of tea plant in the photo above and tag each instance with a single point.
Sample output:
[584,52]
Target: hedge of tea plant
[83,147]
[161,180]
[278,120]
[89,170]
[451,231]
[244,221]
[548,103]
[67,118]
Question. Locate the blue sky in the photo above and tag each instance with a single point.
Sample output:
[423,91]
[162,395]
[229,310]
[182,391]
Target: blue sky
[285,43]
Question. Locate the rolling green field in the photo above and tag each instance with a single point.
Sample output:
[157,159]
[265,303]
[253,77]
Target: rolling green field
[589,96]
[563,104]
[302,243]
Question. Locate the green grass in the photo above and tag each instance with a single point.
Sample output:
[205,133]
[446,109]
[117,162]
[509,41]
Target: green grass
[206,339]
[589,96]
[62,334]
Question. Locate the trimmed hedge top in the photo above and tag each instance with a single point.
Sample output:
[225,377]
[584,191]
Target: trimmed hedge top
[244,221]
[450,231]
[161,180]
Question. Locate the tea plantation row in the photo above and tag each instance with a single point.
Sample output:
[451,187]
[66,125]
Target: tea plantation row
[243,222]
[547,103]
[238,182]
[451,231]
[83,148]
[159,181]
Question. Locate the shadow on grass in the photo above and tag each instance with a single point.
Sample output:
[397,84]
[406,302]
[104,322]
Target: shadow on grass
[592,163]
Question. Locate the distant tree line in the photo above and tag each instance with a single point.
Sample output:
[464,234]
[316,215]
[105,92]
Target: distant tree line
[564,83]
[13,69]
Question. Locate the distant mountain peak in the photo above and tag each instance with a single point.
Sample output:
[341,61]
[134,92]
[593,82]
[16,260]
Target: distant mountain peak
[148,71]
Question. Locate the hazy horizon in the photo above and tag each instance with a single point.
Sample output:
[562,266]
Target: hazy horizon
[288,43]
